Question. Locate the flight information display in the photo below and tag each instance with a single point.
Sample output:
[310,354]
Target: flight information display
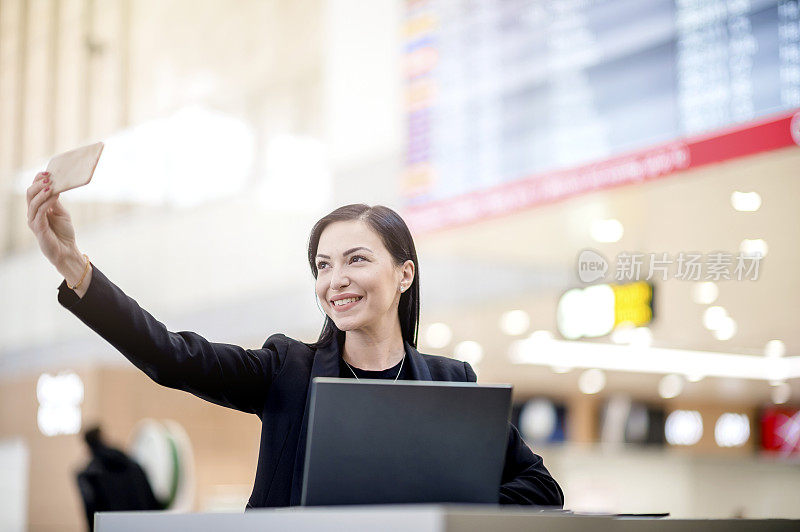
[501,90]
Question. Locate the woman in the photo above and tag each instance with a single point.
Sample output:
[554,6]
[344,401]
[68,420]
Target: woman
[367,283]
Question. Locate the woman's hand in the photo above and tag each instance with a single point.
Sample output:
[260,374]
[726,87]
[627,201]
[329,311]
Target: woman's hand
[50,222]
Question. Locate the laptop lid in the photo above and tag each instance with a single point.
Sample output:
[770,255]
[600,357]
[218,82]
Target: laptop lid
[381,442]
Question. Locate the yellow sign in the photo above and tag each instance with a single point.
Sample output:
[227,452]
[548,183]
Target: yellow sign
[633,303]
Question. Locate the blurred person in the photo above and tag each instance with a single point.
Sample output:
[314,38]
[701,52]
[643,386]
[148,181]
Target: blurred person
[112,481]
[367,283]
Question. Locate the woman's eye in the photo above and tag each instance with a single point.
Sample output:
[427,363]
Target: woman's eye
[323,264]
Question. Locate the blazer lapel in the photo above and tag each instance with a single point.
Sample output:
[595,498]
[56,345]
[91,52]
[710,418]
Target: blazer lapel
[419,369]
[326,364]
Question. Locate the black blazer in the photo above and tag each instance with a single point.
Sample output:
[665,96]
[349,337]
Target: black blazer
[272,383]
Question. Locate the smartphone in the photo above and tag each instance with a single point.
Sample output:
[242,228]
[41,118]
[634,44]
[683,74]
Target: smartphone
[74,168]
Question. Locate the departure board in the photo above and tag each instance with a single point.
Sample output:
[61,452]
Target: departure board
[499,90]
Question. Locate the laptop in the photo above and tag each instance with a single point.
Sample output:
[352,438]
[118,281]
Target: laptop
[372,441]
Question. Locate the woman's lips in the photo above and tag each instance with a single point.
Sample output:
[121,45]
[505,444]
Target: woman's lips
[348,306]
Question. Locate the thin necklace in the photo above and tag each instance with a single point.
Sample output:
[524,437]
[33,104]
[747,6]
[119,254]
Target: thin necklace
[395,378]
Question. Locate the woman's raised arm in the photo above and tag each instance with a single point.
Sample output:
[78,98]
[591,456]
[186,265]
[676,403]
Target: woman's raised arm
[224,374]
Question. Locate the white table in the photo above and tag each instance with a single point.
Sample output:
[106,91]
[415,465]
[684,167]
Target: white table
[419,518]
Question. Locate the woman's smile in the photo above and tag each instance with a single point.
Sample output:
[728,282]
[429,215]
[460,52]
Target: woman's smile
[345,302]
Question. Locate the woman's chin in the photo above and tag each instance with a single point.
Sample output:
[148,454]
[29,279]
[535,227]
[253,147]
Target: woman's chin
[346,324]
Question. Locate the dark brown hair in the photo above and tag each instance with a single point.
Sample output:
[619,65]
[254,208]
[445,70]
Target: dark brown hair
[398,241]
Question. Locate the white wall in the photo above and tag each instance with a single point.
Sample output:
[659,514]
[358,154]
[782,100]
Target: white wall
[13,484]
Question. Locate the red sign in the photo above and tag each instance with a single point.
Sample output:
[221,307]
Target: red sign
[638,167]
[780,431]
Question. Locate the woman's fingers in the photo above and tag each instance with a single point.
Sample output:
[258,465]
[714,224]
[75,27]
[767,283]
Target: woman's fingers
[34,202]
[34,206]
[40,220]
[37,185]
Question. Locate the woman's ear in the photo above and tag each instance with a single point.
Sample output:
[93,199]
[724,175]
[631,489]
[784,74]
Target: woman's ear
[406,275]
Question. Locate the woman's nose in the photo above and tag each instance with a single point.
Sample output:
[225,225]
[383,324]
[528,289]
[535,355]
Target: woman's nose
[339,280]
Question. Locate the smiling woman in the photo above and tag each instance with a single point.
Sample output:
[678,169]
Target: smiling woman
[367,280]
[364,261]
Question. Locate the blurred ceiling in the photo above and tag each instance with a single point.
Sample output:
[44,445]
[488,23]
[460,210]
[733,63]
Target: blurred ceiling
[687,212]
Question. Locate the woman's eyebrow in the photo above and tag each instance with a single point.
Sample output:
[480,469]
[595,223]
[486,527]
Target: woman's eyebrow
[346,253]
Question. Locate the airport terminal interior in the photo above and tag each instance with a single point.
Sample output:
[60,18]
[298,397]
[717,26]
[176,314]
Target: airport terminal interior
[602,193]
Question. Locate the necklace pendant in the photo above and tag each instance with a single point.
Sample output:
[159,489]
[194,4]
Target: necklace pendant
[399,371]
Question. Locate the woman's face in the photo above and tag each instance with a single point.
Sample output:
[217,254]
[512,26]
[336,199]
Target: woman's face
[357,279]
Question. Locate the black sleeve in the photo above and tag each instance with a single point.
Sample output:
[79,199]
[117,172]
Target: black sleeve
[525,480]
[224,374]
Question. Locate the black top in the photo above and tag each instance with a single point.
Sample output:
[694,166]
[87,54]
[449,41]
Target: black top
[389,374]
[273,382]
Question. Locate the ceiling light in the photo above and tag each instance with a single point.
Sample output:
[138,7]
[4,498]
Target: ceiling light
[60,397]
[713,317]
[592,381]
[469,351]
[438,335]
[683,427]
[586,312]
[705,293]
[622,333]
[670,386]
[641,337]
[538,340]
[537,420]
[515,322]
[746,201]
[626,334]
[658,360]
[732,430]
[774,348]
[607,230]
[540,336]
[726,330]
[756,247]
